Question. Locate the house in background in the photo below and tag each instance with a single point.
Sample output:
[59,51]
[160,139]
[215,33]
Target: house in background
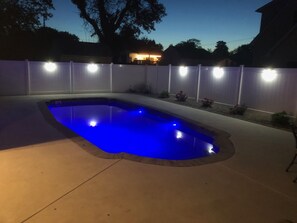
[276,43]
[145,58]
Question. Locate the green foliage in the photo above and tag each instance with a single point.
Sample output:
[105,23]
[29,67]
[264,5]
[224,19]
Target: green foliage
[180,96]
[243,55]
[221,51]
[140,89]
[23,15]
[192,49]
[109,19]
[238,109]
[41,44]
[280,119]
[164,94]
[207,103]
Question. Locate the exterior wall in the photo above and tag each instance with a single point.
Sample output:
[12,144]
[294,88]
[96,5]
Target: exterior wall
[237,83]
[278,25]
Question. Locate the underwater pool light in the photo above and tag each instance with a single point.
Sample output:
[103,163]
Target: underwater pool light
[93,123]
[210,149]
[179,135]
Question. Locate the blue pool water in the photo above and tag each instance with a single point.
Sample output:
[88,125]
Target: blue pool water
[115,127]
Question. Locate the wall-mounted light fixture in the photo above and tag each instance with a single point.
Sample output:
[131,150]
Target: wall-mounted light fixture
[218,72]
[183,71]
[92,68]
[50,67]
[269,75]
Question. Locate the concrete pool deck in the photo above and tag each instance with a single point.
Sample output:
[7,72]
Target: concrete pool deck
[47,177]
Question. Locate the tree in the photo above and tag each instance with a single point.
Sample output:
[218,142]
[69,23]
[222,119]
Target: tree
[192,49]
[111,19]
[23,15]
[221,51]
[243,55]
[189,48]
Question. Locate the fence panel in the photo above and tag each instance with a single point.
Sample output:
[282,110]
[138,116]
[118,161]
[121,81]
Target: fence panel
[222,89]
[274,96]
[157,78]
[13,78]
[127,76]
[22,77]
[184,79]
[90,78]
[43,81]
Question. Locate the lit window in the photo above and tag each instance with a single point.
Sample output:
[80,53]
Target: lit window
[153,58]
[218,72]
[92,68]
[269,75]
[183,71]
[50,66]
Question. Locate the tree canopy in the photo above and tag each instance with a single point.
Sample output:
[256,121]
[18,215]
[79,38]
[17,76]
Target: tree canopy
[23,15]
[221,51]
[110,20]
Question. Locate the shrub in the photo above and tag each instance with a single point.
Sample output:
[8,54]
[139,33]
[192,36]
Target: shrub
[180,96]
[207,103]
[238,109]
[280,119]
[164,94]
[141,89]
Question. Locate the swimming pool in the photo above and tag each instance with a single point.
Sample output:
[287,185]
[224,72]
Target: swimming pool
[119,127]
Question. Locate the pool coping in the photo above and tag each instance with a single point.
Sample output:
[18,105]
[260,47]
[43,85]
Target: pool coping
[221,138]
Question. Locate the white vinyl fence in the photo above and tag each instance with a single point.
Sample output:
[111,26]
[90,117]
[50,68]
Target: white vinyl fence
[271,90]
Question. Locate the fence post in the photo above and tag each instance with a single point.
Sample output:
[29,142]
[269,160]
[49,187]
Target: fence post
[240,84]
[198,73]
[110,76]
[169,78]
[28,77]
[70,77]
[157,89]
[145,74]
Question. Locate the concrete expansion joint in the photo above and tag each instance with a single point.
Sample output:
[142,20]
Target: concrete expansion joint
[259,183]
[70,191]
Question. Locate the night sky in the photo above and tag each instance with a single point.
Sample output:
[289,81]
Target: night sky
[233,21]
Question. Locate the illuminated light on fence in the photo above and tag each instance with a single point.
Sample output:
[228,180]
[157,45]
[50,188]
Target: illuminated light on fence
[183,71]
[218,72]
[92,68]
[269,75]
[50,67]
